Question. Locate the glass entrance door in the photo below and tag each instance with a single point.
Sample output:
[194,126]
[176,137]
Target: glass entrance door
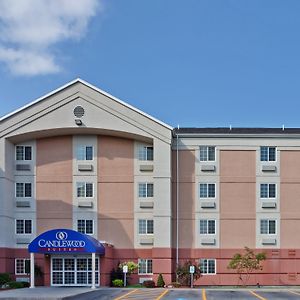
[73,271]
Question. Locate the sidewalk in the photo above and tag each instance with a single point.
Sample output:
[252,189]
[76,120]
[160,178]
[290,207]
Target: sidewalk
[45,293]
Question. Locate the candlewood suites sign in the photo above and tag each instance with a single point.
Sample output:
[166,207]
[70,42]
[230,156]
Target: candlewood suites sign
[65,241]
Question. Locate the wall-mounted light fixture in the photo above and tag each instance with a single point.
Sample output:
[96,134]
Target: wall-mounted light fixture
[78,122]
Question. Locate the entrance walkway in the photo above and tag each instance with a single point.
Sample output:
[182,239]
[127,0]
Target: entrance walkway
[47,293]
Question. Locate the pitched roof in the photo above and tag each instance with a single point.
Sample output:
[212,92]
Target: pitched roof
[92,87]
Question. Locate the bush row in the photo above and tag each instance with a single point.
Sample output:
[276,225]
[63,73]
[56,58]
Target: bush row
[117,282]
[6,282]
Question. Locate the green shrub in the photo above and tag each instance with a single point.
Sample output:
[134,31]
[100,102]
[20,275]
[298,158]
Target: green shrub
[183,273]
[4,278]
[160,281]
[115,274]
[15,285]
[25,284]
[149,284]
[117,282]
[175,284]
[131,266]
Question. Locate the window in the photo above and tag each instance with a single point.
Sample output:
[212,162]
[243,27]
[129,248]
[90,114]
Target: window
[145,266]
[85,226]
[267,153]
[23,189]
[268,190]
[207,190]
[146,227]
[84,152]
[207,153]
[267,226]
[23,152]
[22,266]
[208,266]
[85,189]
[146,153]
[145,190]
[23,226]
[207,226]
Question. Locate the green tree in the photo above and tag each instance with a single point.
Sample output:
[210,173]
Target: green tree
[246,263]
[183,273]
[160,281]
[131,266]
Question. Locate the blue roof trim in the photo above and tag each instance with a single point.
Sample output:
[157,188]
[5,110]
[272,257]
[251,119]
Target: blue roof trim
[62,241]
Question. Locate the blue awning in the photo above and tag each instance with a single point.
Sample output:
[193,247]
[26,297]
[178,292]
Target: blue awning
[63,241]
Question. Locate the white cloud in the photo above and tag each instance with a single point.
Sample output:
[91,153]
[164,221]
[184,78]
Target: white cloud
[30,28]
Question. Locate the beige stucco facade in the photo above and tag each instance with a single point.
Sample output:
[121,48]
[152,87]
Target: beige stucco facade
[115,131]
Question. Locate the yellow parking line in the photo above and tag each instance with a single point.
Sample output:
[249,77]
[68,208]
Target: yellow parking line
[203,294]
[257,296]
[140,291]
[122,297]
[294,293]
[162,294]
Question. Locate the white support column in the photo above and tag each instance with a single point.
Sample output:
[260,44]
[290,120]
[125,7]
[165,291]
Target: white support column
[31,270]
[93,270]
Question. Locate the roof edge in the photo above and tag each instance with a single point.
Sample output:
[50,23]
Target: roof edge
[92,87]
[236,135]
[125,104]
[38,100]
[235,130]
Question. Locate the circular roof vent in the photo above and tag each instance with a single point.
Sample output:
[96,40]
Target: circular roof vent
[78,111]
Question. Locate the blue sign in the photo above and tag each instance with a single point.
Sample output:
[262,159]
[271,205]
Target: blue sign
[65,241]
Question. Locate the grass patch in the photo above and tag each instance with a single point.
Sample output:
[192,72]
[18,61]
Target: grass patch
[135,286]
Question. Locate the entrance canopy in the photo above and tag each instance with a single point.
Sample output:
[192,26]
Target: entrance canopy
[65,241]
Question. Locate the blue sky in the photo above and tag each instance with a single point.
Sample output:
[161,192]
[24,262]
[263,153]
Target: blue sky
[188,62]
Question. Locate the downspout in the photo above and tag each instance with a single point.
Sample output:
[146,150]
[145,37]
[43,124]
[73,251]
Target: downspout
[177,202]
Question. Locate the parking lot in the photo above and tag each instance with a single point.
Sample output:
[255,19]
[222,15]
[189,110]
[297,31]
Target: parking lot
[189,294]
[104,293]
[209,294]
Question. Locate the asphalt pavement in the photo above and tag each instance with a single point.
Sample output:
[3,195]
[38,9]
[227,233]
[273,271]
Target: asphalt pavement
[77,293]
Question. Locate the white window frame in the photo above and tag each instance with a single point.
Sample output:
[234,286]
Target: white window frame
[207,184]
[146,261]
[143,149]
[85,183]
[208,259]
[146,184]
[23,190]
[63,270]
[268,160]
[83,148]
[24,233]
[207,221]
[151,234]
[207,153]
[85,221]
[268,184]
[23,152]
[272,234]
[24,265]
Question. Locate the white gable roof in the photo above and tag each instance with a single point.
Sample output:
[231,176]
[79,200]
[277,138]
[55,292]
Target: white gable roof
[92,87]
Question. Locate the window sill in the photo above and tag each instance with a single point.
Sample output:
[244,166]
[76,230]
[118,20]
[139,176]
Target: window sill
[85,167]
[208,204]
[146,204]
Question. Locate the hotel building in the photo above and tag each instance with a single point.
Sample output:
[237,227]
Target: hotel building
[88,181]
